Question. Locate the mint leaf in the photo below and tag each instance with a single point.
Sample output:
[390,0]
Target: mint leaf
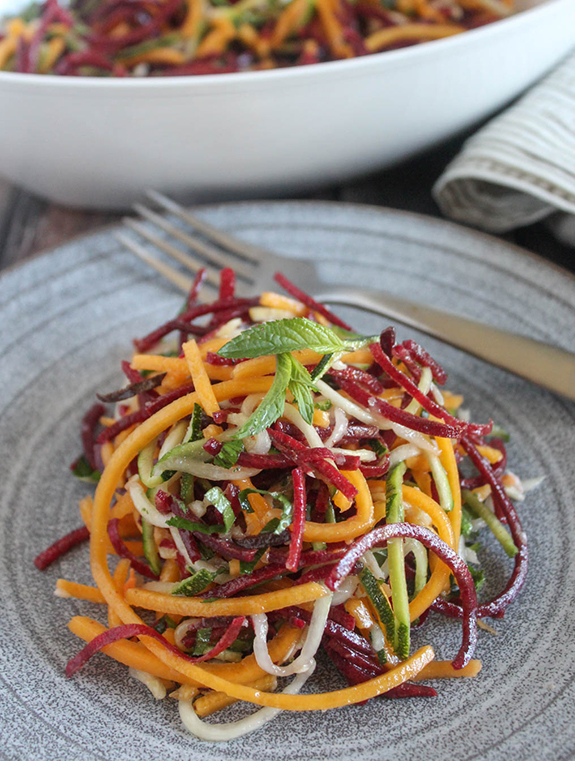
[272,405]
[187,525]
[228,454]
[222,504]
[280,336]
[301,386]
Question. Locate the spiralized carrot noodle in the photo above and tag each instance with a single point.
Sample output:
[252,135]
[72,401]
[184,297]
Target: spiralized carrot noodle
[243,501]
[196,37]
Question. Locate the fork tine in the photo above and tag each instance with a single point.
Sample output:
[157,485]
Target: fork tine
[212,255]
[182,282]
[235,246]
[188,261]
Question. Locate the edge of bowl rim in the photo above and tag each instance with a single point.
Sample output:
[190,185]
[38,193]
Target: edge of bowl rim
[411,53]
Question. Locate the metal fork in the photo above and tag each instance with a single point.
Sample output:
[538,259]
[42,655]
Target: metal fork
[548,366]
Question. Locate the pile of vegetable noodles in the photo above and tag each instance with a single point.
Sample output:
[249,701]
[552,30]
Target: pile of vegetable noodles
[121,38]
[273,485]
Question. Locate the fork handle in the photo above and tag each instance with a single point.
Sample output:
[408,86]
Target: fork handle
[548,366]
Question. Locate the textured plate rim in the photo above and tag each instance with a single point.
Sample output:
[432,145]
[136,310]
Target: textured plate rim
[513,248]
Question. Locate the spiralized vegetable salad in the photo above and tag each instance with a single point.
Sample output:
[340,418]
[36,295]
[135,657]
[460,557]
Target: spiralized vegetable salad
[122,38]
[270,485]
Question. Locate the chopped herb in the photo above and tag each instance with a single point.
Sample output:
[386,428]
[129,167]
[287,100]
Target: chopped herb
[216,497]
[202,528]
[324,405]
[163,623]
[241,646]
[271,527]
[206,552]
[287,508]
[84,471]
[202,644]
[228,454]
[249,566]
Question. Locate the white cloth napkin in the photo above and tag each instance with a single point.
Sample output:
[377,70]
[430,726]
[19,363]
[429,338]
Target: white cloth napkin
[520,167]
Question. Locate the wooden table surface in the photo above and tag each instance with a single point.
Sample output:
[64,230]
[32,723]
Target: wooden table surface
[29,224]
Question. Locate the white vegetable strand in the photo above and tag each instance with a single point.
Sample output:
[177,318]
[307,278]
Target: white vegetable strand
[312,641]
[224,732]
[339,428]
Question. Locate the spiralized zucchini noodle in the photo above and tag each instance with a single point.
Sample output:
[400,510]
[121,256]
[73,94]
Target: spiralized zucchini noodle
[271,485]
[120,38]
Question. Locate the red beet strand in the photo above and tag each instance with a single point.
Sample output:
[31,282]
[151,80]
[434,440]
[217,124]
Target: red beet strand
[195,287]
[428,404]
[61,547]
[139,415]
[359,376]
[300,295]
[298,519]
[227,283]
[225,547]
[142,568]
[426,360]
[89,424]
[199,310]
[396,415]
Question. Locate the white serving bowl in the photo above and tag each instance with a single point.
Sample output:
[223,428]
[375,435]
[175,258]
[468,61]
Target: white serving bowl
[99,143]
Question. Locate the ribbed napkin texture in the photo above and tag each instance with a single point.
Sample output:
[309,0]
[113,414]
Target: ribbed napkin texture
[520,167]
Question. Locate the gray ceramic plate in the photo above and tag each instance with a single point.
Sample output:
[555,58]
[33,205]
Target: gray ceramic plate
[67,318]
